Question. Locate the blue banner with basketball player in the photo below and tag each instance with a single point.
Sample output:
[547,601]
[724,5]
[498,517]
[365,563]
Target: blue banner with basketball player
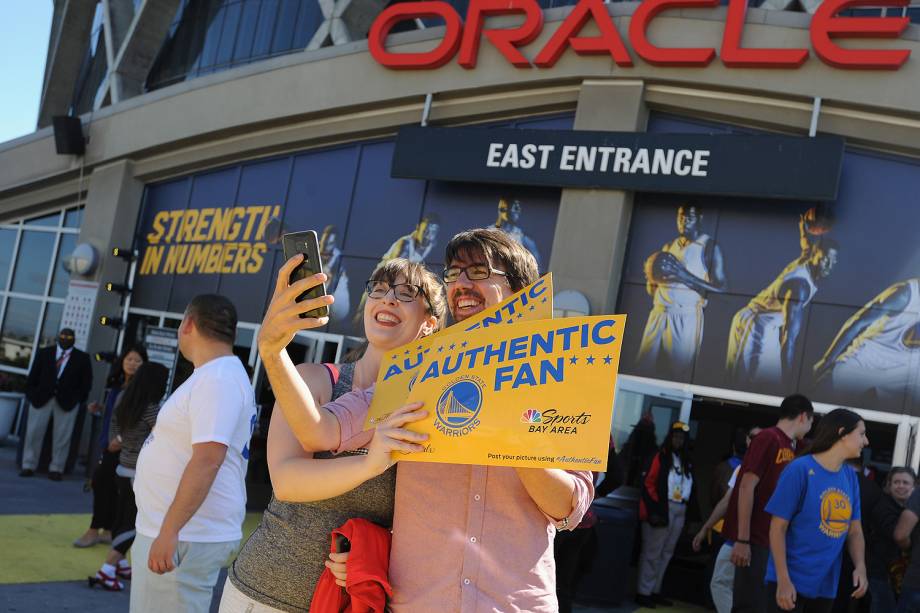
[219,231]
[824,300]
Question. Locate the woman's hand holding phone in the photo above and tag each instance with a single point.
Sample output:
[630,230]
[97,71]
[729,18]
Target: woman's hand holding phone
[283,318]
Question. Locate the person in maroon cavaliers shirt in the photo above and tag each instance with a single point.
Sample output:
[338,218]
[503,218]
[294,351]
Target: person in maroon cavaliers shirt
[747,524]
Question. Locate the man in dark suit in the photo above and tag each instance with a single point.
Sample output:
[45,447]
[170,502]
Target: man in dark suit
[59,381]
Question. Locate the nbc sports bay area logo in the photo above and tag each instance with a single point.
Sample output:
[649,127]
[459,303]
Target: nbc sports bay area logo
[551,421]
[457,411]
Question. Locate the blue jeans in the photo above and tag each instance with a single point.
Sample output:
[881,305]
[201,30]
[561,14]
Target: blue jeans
[881,595]
[909,601]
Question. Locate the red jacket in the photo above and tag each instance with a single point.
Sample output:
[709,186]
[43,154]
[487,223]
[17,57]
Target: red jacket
[366,586]
[653,501]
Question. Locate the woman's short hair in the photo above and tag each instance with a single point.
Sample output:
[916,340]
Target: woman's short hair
[416,274]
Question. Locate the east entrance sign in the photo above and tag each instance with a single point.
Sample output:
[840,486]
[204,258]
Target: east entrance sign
[462,37]
[763,166]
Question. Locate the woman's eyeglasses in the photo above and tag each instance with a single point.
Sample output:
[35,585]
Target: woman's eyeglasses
[474,272]
[404,292]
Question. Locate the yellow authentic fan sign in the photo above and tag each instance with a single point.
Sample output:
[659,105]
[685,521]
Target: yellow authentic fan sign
[532,392]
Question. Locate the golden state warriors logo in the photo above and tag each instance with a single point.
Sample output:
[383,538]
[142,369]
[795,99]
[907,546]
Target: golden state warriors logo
[835,513]
[458,407]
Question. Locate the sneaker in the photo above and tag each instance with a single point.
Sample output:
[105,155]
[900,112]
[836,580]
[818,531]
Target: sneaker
[123,572]
[645,601]
[55,476]
[26,472]
[661,600]
[87,540]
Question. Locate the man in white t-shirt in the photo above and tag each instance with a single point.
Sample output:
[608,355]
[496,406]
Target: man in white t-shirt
[189,486]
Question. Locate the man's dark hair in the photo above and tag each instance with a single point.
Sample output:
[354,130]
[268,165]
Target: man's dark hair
[794,405]
[498,247]
[214,316]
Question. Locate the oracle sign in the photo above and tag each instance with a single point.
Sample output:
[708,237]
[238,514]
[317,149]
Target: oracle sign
[462,38]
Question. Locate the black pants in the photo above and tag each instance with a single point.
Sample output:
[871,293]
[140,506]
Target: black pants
[574,551]
[105,492]
[802,604]
[123,532]
[749,592]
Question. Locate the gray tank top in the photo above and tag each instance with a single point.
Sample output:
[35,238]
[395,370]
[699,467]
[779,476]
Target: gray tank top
[283,559]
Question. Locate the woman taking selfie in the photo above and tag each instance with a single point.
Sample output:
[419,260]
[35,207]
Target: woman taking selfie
[278,567]
[816,510]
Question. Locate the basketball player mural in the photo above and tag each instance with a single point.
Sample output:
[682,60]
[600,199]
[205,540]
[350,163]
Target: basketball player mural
[762,341]
[878,348]
[677,278]
[509,217]
[416,245]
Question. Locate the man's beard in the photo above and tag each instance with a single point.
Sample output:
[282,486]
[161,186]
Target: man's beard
[459,313]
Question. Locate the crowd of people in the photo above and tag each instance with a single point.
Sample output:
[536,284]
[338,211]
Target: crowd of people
[170,479]
[797,523]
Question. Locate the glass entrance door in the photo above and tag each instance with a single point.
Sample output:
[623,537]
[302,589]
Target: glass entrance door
[642,413]
[637,399]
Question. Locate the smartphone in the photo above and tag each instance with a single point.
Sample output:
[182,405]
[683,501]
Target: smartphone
[342,544]
[307,244]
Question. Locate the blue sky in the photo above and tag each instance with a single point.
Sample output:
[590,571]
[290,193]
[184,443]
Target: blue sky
[25,26]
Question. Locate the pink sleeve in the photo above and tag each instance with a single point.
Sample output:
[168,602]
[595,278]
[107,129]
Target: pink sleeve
[351,411]
[581,500]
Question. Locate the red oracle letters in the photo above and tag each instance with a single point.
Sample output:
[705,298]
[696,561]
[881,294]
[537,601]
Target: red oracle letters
[660,56]
[825,24]
[608,41]
[506,41]
[466,38]
[734,56]
[435,58]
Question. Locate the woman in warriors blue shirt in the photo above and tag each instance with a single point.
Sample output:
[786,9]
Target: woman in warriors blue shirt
[815,510]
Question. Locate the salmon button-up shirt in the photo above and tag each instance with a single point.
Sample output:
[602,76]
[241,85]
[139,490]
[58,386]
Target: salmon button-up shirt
[466,538]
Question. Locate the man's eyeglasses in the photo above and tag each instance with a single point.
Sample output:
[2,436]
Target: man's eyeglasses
[66,336]
[474,272]
[404,292]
